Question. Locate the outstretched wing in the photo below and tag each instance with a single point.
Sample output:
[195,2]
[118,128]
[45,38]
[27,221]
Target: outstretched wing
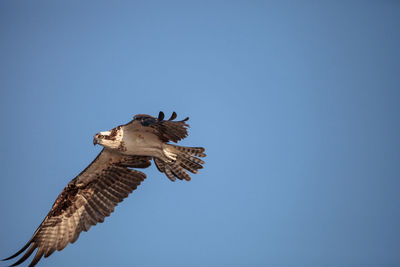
[166,130]
[85,201]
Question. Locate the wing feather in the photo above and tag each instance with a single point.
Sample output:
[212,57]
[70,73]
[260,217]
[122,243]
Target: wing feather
[166,130]
[84,202]
[26,255]
[37,257]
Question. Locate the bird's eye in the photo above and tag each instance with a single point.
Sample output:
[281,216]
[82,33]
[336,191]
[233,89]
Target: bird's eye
[101,136]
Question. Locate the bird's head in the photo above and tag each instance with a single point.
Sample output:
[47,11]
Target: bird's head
[109,139]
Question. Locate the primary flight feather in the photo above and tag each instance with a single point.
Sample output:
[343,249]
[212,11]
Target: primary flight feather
[93,194]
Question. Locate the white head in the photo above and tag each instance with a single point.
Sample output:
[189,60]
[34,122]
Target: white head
[109,139]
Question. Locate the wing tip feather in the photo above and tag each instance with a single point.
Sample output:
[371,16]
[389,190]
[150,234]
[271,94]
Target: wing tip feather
[26,255]
[19,251]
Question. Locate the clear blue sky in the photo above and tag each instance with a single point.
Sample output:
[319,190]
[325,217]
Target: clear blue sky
[297,104]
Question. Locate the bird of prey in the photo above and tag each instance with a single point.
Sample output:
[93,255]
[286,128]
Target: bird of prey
[93,194]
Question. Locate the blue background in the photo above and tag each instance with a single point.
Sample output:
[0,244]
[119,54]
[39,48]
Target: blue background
[297,104]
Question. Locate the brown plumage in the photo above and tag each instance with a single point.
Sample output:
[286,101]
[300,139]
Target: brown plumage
[167,130]
[96,191]
[184,161]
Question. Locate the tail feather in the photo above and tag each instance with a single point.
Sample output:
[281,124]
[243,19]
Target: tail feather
[181,160]
[169,174]
[159,164]
[191,166]
[195,151]
[179,172]
[190,158]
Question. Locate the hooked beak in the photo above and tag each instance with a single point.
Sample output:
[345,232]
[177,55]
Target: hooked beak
[95,141]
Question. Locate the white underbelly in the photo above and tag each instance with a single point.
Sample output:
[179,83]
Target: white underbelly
[143,144]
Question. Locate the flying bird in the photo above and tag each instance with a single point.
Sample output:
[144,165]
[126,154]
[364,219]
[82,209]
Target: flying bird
[112,176]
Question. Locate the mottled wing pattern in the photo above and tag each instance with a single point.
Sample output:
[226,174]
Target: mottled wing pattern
[84,202]
[167,130]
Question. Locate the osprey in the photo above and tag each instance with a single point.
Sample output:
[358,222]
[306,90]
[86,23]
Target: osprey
[93,194]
